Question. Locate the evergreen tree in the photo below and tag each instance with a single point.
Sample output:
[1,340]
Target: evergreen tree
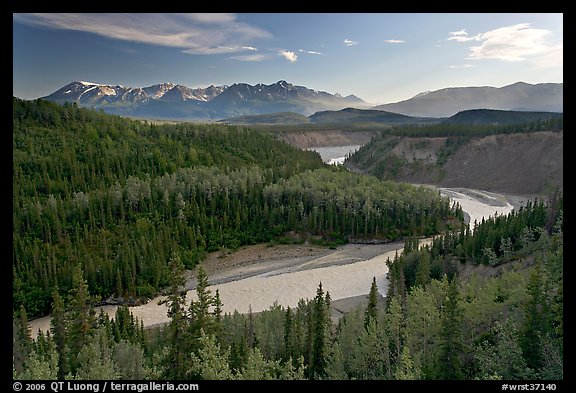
[372,308]
[534,327]
[217,313]
[238,354]
[251,337]
[451,345]
[423,268]
[199,311]
[22,340]
[393,320]
[319,329]
[288,331]
[176,361]
[58,330]
[79,317]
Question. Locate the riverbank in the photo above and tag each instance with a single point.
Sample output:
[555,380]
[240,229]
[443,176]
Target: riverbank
[276,259]
[254,277]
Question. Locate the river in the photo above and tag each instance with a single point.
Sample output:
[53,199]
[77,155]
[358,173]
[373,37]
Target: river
[335,155]
[345,272]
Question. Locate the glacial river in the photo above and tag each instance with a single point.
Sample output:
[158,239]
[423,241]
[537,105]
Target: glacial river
[335,154]
[341,272]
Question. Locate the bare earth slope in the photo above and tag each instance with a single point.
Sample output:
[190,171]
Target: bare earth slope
[307,139]
[518,164]
[515,163]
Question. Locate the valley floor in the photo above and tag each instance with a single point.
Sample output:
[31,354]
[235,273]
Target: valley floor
[254,277]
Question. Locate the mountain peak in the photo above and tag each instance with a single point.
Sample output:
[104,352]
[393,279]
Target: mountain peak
[283,83]
[422,93]
[175,101]
[519,84]
[86,83]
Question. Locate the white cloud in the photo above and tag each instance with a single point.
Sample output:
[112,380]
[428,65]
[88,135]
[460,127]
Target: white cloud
[511,43]
[514,43]
[256,57]
[212,18]
[288,55]
[193,33]
[461,36]
[394,41]
[348,42]
[310,52]
[551,59]
[462,66]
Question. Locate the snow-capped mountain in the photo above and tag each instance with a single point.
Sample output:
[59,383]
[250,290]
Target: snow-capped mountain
[168,100]
[96,94]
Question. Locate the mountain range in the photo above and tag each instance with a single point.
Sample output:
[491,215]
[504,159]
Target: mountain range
[173,101]
[520,96]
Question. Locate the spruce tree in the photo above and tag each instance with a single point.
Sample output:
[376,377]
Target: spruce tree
[22,340]
[217,313]
[199,311]
[79,317]
[372,308]
[423,268]
[319,344]
[451,343]
[534,326]
[176,362]
[251,338]
[288,329]
[58,330]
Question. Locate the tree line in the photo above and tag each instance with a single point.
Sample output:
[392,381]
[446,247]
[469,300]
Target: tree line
[553,122]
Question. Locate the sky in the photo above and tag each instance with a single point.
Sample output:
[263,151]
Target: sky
[379,57]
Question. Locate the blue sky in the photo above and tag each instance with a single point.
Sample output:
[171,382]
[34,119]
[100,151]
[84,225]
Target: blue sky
[379,57]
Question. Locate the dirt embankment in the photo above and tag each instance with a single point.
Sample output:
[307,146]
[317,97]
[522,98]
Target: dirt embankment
[516,163]
[526,164]
[324,138]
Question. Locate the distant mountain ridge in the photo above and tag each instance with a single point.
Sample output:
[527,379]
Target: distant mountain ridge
[520,96]
[371,117]
[343,116]
[499,117]
[168,100]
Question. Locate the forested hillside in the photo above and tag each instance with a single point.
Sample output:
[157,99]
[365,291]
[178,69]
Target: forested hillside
[117,198]
[503,324]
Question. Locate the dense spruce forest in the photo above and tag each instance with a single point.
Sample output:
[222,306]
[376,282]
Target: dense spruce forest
[108,207]
[437,322]
[119,197]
